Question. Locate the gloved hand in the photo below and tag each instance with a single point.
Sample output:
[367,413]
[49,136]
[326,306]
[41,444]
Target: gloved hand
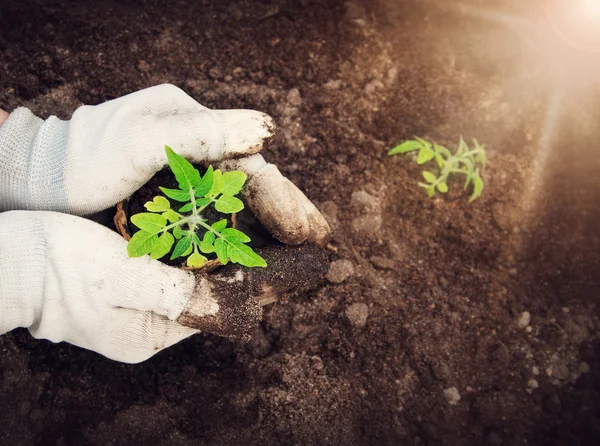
[69,279]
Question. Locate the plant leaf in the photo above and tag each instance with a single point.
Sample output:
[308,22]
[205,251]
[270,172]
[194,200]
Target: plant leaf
[209,237]
[182,246]
[233,182]
[425,154]
[176,194]
[219,225]
[195,239]
[152,223]
[141,243]
[206,183]
[228,205]
[233,235]
[429,177]
[442,187]
[187,251]
[206,248]
[158,204]
[217,185]
[221,250]
[184,172]
[406,146]
[244,255]
[171,215]
[201,202]
[477,186]
[162,246]
[423,142]
[187,208]
[196,260]
[178,232]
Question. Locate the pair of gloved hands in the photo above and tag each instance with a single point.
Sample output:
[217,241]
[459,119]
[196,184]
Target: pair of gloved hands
[69,279]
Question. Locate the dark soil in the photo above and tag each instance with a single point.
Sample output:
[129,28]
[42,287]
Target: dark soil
[445,283]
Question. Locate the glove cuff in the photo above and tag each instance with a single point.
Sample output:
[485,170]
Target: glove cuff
[32,162]
[23,250]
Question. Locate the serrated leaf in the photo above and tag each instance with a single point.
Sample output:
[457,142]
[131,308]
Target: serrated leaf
[477,187]
[442,187]
[219,225]
[158,204]
[152,223]
[206,248]
[187,208]
[206,183]
[201,202]
[176,194]
[221,250]
[405,147]
[425,154]
[228,205]
[162,246]
[182,246]
[217,185]
[196,260]
[244,255]
[141,243]
[185,174]
[178,232]
[171,216]
[209,237]
[233,182]
[195,239]
[429,177]
[233,235]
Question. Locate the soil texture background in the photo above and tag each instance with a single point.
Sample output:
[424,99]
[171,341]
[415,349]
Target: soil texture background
[440,322]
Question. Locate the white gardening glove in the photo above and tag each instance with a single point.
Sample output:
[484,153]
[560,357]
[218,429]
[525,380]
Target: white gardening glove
[69,279]
[107,152]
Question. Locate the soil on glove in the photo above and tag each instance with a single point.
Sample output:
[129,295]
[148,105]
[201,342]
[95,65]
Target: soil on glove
[440,322]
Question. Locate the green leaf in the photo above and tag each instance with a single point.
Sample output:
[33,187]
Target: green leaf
[187,251]
[221,250]
[442,150]
[182,246]
[209,237]
[425,154]
[158,204]
[187,208]
[233,235]
[219,225]
[201,202]
[176,194]
[228,205]
[439,160]
[406,146]
[428,188]
[442,187]
[152,223]
[195,239]
[217,185]
[462,147]
[233,182]
[477,186]
[244,255]
[429,177]
[178,232]
[162,246]
[423,142]
[171,215]
[206,183]
[141,243]
[184,172]
[196,260]
[206,248]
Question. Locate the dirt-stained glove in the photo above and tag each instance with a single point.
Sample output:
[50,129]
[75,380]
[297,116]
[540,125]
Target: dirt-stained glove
[69,279]
[107,152]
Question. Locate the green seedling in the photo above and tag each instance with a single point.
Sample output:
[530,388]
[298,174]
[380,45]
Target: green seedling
[162,226]
[467,161]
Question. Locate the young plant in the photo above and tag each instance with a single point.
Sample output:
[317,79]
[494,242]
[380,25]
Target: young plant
[162,225]
[466,161]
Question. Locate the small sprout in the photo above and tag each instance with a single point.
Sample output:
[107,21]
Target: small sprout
[465,160]
[187,228]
